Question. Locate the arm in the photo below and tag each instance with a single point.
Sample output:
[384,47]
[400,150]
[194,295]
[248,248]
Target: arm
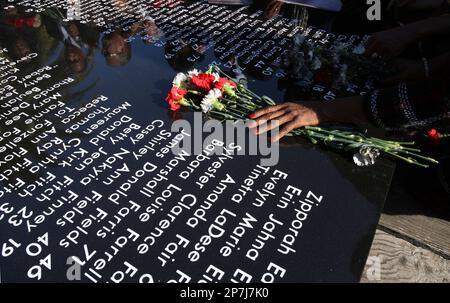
[290,116]
[430,27]
[415,105]
[440,65]
[419,69]
[392,42]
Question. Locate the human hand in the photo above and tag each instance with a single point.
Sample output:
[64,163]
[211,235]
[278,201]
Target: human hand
[390,43]
[287,117]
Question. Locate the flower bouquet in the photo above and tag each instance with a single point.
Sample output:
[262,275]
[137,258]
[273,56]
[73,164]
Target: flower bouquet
[218,95]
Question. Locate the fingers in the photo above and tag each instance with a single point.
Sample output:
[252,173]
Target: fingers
[285,130]
[272,117]
[385,53]
[371,47]
[288,116]
[267,110]
[376,48]
[378,52]
[271,124]
[267,117]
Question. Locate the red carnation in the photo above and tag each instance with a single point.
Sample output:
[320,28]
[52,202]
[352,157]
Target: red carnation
[222,82]
[174,106]
[434,134]
[30,21]
[203,81]
[176,94]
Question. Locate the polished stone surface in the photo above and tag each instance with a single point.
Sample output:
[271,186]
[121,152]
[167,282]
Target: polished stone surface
[332,244]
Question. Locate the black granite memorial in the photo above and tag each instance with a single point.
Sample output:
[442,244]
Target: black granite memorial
[90,190]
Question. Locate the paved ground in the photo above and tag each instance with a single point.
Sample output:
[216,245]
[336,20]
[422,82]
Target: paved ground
[412,243]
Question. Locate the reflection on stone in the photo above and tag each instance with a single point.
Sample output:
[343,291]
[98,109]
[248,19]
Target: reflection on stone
[86,166]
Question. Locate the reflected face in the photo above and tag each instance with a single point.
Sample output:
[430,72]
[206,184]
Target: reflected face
[113,44]
[37,22]
[115,49]
[75,58]
[73,30]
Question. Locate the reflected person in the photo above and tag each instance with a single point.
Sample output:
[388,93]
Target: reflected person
[115,48]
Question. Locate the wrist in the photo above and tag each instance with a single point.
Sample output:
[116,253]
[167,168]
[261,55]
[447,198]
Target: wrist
[351,110]
[345,110]
[325,112]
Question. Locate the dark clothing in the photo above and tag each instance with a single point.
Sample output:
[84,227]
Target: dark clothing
[417,105]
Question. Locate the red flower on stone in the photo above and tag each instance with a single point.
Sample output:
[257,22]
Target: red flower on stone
[222,82]
[176,94]
[434,134]
[174,106]
[203,81]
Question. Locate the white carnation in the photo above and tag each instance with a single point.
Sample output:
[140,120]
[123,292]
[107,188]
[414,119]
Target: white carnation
[208,102]
[216,77]
[179,78]
[193,73]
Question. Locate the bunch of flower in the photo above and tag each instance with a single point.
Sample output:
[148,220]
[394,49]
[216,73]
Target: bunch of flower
[335,66]
[218,95]
[214,93]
